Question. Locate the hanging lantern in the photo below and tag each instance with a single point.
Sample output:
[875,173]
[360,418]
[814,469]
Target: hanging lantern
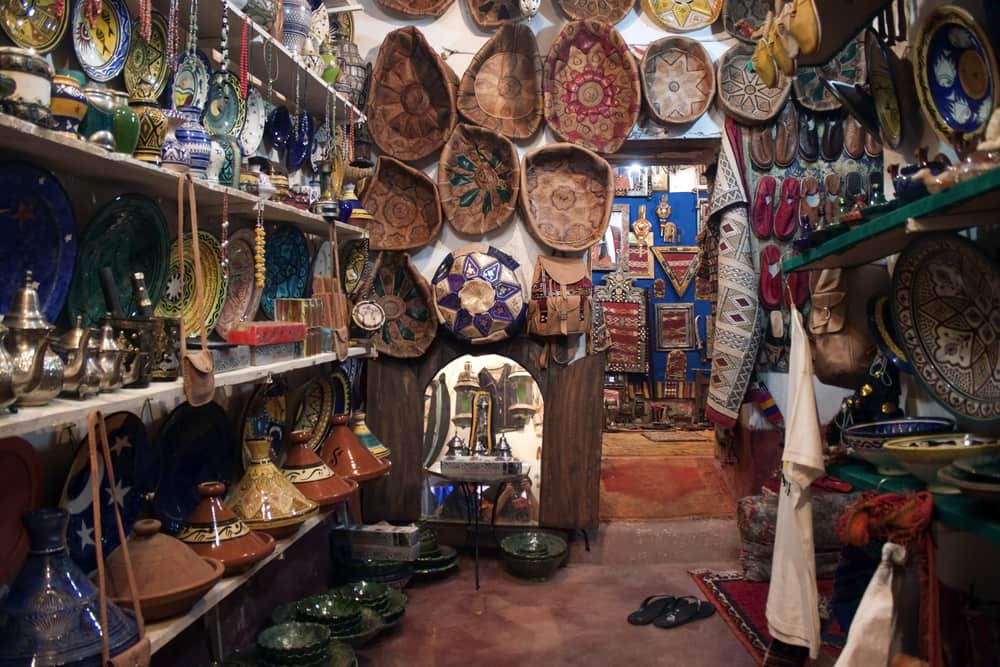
[464,388]
[523,405]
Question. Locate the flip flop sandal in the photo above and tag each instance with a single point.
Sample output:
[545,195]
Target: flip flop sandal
[832,143]
[854,138]
[770,277]
[873,145]
[831,206]
[762,147]
[651,608]
[786,220]
[810,201]
[808,137]
[763,208]
[686,610]
[786,141]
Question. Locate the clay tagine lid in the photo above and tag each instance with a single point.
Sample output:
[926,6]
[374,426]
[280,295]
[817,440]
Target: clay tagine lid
[348,456]
[367,438]
[265,499]
[213,530]
[169,575]
[310,475]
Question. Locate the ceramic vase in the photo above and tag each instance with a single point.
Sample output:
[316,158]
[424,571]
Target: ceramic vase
[297,17]
[317,482]
[348,202]
[194,137]
[125,125]
[367,438]
[351,81]
[173,153]
[99,122]
[265,499]
[52,610]
[347,456]
[152,130]
[216,160]
[32,75]
[230,173]
[213,530]
[69,104]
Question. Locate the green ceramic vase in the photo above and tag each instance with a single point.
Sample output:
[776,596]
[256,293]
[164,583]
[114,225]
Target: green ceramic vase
[125,126]
[152,130]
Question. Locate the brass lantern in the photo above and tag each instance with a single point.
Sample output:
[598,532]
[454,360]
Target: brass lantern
[523,386]
[464,388]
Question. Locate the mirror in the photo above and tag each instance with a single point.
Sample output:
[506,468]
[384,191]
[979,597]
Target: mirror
[453,407]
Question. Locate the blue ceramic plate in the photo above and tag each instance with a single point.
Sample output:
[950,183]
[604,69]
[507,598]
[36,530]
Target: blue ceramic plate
[300,146]
[226,110]
[188,87]
[103,48]
[874,434]
[36,223]
[287,272]
[278,128]
[195,445]
[135,473]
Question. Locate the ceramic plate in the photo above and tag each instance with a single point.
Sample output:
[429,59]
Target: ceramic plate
[34,24]
[278,128]
[146,65]
[315,411]
[243,296]
[225,111]
[22,480]
[128,234]
[354,261]
[189,88]
[946,308]
[874,434]
[175,304]
[980,467]
[320,151]
[287,272]
[266,416]
[102,49]
[36,223]
[848,66]
[135,471]
[883,71]
[253,127]
[955,73]
[195,445]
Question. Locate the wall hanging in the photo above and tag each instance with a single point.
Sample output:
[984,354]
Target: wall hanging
[410,322]
[742,94]
[683,15]
[678,79]
[489,14]
[416,8]
[622,312]
[680,263]
[608,11]
[675,326]
[604,253]
[479,177]
[404,205]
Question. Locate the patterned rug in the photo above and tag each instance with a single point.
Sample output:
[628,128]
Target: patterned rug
[643,488]
[659,443]
[742,604]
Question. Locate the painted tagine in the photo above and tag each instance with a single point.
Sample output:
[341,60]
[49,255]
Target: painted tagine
[314,478]
[367,438]
[265,499]
[348,456]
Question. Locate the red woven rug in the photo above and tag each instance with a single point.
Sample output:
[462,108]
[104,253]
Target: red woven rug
[643,488]
[742,605]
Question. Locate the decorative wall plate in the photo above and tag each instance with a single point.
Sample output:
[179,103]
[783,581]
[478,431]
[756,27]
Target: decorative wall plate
[678,79]
[411,110]
[891,81]
[342,26]
[592,94]
[22,479]
[416,8]
[265,416]
[128,234]
[410,320]
[252,132]
[354,261]
[34,24]
[315,411]
[225,110]
[189,88]
[566,195]
[39,232]
[479,177]
[502,88]
[882,329]
[287,270]
[955,73]
[743,17]
[849,66]
[368,315]
[741,92]
[490,14]
[608,11]
[683,15]
[177,305]
[946,308]
[242,294]
[146,67]
[479,294]
[340,381]
[404,204]
[102,48]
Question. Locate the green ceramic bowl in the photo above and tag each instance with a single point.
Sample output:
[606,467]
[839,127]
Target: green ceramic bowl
[331,610]
[445,556]
[533,544]
[396,607]
[537,569]
[369,593]
[341,654]
[435,573]
[293,643]
[371,625]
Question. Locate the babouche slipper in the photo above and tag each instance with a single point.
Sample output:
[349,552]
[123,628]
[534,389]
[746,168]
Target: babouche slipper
[651,608]
[685,610]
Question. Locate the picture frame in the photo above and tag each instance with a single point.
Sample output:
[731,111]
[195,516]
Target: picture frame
[674,326]
[640,261]
[632,181]
[702,212]
[604,253]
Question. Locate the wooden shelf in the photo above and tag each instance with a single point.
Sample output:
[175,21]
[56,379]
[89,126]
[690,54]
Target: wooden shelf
[968,204]
[64,411]
[69,155]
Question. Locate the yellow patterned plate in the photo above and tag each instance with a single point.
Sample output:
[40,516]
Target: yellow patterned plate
[34,24]
[683,15]
[173,303]
[146,65]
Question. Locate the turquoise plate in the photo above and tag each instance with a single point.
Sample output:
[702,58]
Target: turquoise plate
[226,110]
[287,257]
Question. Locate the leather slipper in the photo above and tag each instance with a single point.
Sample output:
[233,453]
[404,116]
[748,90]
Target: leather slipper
[798,287]
[686,610]
[854,186]
[770,277]
[762,147]
[763,208]
[786,141]
[831,206]
[651,608]
[873,145]
[808,137]
[854,138]
[810,201]
[786,220]
[832,143]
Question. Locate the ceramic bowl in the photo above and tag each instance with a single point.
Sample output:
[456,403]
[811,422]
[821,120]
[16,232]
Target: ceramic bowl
[371,625]
[533,545]
[368,593]
[537,569]
[293,643]
[444,556]
[336,612]
[396,608]
[980,468]
[925,456]
[435,573]
[866,440]
[986,492]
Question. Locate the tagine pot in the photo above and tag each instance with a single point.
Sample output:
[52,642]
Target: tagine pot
[347,456]
[367,438]
[214,531]
[314,478]
[265,499]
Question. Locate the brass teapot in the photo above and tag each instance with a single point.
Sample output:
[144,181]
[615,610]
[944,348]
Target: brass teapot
[7,394]
[38,370]
[110,358]
[78,350]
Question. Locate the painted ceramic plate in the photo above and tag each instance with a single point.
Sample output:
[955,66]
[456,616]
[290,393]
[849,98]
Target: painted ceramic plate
[354,261]
[266,416]
[341,382]
[300,143]
[146,67]
[225,111]
[34,24]
[253,127]
[848,66]
[316,411]
[946,307]
[135,472]
[128,234]
[102,48]
[189,88]
[36,223]
[243,295]
[885,74]
[195,445]
[287,271]
[955,73]
[182,305]
[22,479]
[683,15]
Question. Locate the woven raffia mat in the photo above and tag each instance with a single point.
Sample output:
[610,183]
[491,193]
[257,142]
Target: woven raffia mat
[678,78]
[742,94]
[404,205]
[479,177]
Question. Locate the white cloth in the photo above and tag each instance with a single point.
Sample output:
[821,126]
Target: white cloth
[792,599]
[873,630]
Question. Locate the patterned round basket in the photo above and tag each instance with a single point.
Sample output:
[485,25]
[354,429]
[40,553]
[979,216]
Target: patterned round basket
[609,11]
[416,8]
[502,87]
[489,14]
[592,94]
[411,108]
[566,195]
[410,321]
[479,294]
[678,79]
[404,205]
[479,176]
[742,94]
[683,15]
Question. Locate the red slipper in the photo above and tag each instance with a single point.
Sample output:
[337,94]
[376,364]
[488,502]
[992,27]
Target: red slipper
[763,208]
[786,220]
[798,285]
[770,277]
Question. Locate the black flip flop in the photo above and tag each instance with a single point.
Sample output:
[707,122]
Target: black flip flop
[651,608]
[685,610]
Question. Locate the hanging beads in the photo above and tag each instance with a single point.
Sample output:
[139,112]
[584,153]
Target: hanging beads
[244,59]
[225,236]
[259,254]
[224,45]
[173,38]
[145,19]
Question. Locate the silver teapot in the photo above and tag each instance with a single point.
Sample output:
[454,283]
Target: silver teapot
[38,370]
[110,358]
[78,350]
[7,394]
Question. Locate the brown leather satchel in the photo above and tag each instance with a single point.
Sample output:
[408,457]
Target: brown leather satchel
[843,345]
[340,312]
[197,368]
[561,297]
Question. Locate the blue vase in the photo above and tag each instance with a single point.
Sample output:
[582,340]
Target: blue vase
[52,609]
[195,139]
[348,202]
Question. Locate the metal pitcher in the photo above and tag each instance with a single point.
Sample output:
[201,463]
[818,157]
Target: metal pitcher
[38,370]
[110,358]
[79,351]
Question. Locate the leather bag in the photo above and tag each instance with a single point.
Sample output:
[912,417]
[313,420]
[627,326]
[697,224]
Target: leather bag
[197,368]
[561,297]
[340,315]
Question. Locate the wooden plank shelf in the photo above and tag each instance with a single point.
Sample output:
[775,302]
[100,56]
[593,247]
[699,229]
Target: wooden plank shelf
[968,204]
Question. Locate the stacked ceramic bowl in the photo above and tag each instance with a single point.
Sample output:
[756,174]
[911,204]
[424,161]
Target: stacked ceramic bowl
[977,477]
[435,560]
[533,554]
[926,456]
[294,644]
[347,620]
[866,440]
[387,601]
[393,573]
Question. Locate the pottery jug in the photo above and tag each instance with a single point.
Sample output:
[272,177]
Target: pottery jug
[152,130]
[194,138]
[125,125]
[99,122]
[110,358]
[52,609]
[32,75]
[297,17]
[265,499]
[347,456]
[7,394]
[173,153]
[78,350]
[38,370]
[367,438]
[69,104]
[306,470]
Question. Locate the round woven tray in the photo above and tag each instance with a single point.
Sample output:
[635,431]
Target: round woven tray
[683,15]
[410,319]
[742,94]
[678,79]
[489,14]
[416,8]
[479,177]
[404,205]
[609,11]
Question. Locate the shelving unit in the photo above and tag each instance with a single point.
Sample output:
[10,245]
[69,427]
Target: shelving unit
[968,204]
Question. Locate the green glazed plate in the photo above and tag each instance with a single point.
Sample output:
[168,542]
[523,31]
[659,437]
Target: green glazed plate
[146,67]
[128,234]
[226,110]
[34,24]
